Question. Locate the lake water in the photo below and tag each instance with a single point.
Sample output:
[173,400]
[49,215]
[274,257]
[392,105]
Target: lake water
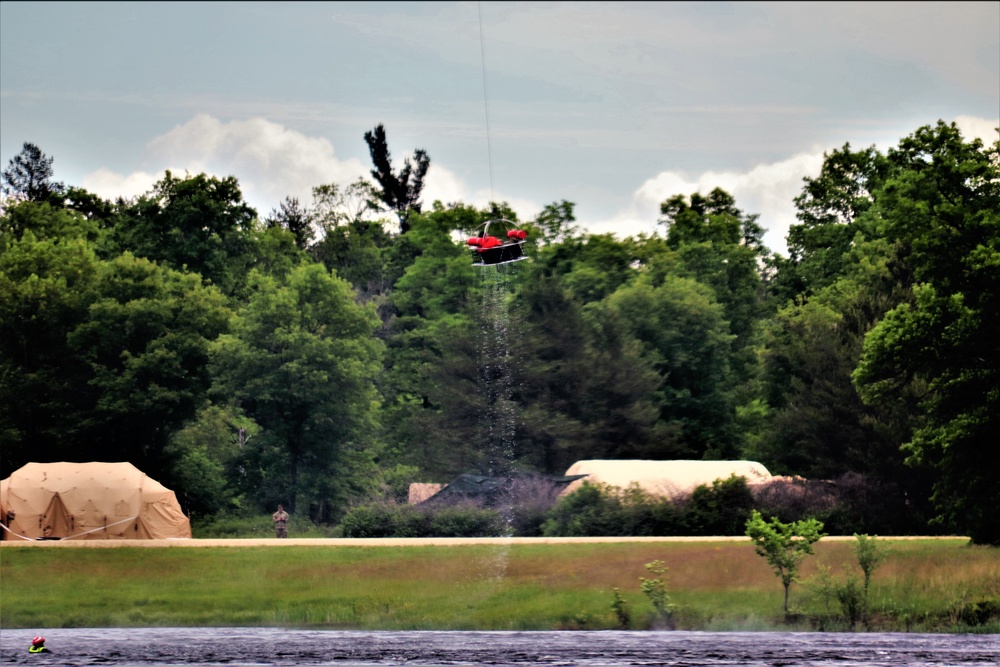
[273,646]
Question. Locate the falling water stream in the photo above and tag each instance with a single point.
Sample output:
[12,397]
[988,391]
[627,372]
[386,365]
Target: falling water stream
[498,418]
[496,370]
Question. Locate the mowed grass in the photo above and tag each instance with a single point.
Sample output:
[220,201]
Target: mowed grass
[923,585]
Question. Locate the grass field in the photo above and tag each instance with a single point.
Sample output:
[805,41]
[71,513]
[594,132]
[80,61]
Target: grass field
[923,585]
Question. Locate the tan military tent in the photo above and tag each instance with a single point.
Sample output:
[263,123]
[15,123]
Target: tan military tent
[663,478]
[88,501]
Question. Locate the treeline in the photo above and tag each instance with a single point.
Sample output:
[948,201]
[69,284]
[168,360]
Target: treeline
[328,354]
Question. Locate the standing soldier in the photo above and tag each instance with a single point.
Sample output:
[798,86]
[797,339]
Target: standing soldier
[280,522]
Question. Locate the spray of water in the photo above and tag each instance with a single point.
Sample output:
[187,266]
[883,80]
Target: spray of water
[498,420]
[496,373]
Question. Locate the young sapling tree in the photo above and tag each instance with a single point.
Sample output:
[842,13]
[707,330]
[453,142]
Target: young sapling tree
[784,545]
[656,590]
[619,605]
[870,555]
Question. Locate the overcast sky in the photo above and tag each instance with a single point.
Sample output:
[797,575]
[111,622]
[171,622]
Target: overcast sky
[613,106]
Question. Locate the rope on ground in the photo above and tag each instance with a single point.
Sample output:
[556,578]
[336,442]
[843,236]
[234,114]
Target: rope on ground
[2,525]
[86,532]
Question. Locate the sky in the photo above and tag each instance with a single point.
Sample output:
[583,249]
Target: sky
[613,106]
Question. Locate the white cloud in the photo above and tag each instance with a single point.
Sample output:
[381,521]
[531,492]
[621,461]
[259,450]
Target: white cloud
[767,189]
[271,161]
[110,185]
[983,129]
[445,186]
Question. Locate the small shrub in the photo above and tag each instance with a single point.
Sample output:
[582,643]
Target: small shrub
[720,509]
[656,591]
[979,612]
[400,520]
[794,499]
[383,520]
[464,521]
[851,595]
[231,526]
[853,601]
[602,510]
[619,605]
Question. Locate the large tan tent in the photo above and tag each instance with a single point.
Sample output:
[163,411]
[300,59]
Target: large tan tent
[663,478]
[88,501]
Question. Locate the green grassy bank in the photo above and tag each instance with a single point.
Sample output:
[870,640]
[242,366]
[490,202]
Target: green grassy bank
[923,585]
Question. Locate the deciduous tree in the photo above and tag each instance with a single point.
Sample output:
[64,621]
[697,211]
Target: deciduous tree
[102,359]
[196,223]
[301,362]
[783,545]
[942,209]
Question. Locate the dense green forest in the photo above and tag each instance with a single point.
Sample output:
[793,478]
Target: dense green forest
[329,353]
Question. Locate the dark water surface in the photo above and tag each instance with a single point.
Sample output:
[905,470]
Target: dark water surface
[271,646]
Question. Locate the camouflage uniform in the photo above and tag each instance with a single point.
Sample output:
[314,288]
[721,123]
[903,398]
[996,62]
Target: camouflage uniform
[280,522]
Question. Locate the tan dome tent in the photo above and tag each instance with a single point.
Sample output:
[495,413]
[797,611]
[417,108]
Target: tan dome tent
[88,501]
[663,478]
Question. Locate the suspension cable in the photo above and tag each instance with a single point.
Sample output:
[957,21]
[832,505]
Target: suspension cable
[486,101]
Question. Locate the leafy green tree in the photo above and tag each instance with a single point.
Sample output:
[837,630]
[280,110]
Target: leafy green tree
[710,240]
[359,252]
[820,427]
[556,221]
[942,209]
[145,340]
[102,359]
[46,287]
[430,383]
[334,206]
[554,365]
[685,337]
[400,192]
[590,267]
[276,254]
[354,240]
[722,247]
[90,205]
[291,215]
[301,363]
[831,212]
[783,545]
[29,176]
[45,221]
[207,453]
[849,275]
[197,223]
[870,553]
